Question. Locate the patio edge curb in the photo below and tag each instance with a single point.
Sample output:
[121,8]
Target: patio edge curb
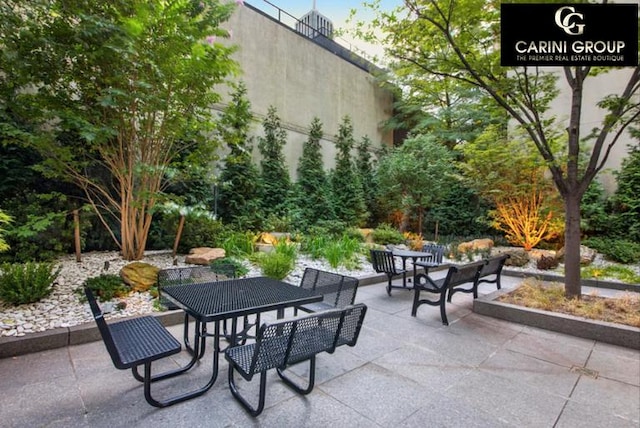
[611,333]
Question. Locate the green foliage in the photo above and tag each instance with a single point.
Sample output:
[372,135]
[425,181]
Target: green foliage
[42,228]
[314,245]
[312,199]
[239,186]
[229,266]
[4,219]
[276,184]
[199,231]
[336,250]
[364,168]
[278,223]
[414,177]
[107,286]
[26,283]
[239,244]
[620,273]
[126,83]
[460,212]
[626,200]
[280,262]
[617,250]
[342,251]
[348,198]
[594,219]
[386,234]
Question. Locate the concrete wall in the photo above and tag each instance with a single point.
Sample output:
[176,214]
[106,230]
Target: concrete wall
[301,79]
[596,88]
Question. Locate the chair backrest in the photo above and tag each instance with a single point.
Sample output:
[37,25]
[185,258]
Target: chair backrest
[494,265]
[313,334]
[436,250]
[272,344]
[337,290]
[383,261]
[351,325]
[462,274]
[103,327]
[187,275]
[223,268]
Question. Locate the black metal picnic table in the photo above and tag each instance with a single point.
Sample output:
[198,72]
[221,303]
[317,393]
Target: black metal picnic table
[230,299]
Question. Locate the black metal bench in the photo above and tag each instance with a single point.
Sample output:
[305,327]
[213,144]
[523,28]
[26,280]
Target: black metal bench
[456,275]
[384,262]
[338,291]
[139,342]
[492,267]
[287,342]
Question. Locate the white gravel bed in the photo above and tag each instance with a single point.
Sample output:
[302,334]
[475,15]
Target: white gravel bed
[63,307]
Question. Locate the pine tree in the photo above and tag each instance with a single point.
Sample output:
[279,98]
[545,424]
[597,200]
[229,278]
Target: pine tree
[312,188]
[348,199]
[276,184]
[364,167]
[626,199]
[239,189]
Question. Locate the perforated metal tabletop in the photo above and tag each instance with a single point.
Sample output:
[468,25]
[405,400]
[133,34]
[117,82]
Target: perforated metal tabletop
[215,301]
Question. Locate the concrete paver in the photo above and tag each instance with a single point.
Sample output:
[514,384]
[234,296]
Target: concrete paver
[404,372]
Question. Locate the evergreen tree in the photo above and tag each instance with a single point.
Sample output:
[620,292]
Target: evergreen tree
[239,199]
[312,192]
[626,200]
[348,199]
[364,166]
[276,184]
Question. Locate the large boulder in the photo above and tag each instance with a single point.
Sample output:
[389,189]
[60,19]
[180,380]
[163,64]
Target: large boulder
[204,255]
[140,276]
[476,245]
[518,257]
[587,255]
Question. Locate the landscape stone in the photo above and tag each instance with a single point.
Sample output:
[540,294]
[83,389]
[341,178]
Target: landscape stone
[204,255]
[140,276]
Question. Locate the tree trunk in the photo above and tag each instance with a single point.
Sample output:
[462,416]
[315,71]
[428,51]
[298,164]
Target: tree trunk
[572,285]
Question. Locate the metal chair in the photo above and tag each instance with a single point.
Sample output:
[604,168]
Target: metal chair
[338,291]
[384,262]
[437,253]
[139,342]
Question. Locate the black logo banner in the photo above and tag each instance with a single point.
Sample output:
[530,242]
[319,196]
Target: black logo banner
[569,34]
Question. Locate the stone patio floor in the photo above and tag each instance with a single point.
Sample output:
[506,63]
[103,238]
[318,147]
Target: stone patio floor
[404,372]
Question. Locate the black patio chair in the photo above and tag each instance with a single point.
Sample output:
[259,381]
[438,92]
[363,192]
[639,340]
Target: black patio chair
[338,291]
[139,342]
[384,262]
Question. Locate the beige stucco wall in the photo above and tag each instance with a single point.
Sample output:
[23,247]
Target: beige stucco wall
[596,88]
[302,80]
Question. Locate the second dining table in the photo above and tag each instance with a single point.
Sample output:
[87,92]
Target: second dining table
[230,299]
[414,256]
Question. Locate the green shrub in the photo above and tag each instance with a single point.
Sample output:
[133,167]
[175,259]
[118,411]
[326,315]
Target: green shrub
[238,244]
[276,265]
[314,245]
[26,283]
[617,250]
[107,286]
[342,252]
[280,262]
[386,234]
[229,267]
